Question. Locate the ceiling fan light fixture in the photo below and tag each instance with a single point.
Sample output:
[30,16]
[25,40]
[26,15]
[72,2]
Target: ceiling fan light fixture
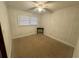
[40,10]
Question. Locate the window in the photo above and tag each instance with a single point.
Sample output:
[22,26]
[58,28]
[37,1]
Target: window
[26,20]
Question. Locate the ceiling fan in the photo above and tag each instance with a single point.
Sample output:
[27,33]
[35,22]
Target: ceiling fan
[41,6]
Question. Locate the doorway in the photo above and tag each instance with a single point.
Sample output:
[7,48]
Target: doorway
[2,45]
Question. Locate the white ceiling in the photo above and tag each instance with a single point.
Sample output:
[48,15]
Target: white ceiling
[25,5]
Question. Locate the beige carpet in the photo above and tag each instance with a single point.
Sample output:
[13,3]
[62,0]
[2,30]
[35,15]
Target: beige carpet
[40,46]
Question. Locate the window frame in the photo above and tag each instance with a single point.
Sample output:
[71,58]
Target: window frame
[30,18]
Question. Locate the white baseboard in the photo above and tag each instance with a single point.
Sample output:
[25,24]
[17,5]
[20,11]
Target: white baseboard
[23,35]
[69,44]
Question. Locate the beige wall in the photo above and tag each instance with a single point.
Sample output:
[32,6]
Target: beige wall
[76,50]
[17,30]
[5,27]
[62,25]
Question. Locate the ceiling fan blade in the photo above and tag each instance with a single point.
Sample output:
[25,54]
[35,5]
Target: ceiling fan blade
[35,1]
[48,10]
[49,2]
[45,2]
[31,8]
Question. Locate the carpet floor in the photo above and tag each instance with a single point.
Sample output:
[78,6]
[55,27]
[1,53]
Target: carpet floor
[40,46]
